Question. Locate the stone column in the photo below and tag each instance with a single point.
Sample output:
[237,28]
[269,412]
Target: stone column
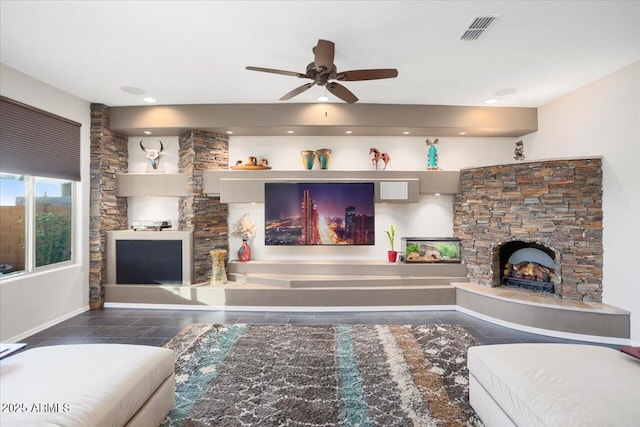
[109,155]
[205,216]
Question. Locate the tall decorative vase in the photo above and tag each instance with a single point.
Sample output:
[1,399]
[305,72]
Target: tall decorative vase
[324,157]
[308,158]
[218,272]
[244,253]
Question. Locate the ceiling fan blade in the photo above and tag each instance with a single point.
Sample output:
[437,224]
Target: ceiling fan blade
[271,70]
[355,75]
[297,91]
[342,92]
[324,53]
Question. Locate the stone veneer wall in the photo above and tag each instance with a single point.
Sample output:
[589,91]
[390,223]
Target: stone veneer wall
[109,155]
[555,203]
[205,216]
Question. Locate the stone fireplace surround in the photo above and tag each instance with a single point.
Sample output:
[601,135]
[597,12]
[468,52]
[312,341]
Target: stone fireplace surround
[554,203]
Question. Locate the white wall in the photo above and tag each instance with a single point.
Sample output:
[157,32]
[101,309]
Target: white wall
[432,216]
[603,119]
[352,152]
[33,301]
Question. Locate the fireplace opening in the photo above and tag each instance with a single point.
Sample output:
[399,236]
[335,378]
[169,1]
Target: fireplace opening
[527,265]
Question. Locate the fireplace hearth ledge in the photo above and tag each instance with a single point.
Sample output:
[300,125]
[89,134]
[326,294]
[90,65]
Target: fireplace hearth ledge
[534,311]
[541,299]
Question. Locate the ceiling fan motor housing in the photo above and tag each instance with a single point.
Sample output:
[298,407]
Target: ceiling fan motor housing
[320,77]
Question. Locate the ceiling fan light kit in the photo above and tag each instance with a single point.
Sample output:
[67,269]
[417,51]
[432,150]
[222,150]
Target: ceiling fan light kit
[323,71]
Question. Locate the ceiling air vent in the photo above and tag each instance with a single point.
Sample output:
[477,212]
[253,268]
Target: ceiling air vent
[477,27]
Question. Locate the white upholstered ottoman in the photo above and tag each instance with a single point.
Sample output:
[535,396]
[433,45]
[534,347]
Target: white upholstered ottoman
[554,385]
[87,385]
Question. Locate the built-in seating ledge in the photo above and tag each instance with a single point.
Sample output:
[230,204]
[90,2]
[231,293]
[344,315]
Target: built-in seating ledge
[532,311]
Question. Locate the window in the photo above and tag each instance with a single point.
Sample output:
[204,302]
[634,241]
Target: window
[36,222]
[12,223]
[36,213]
[52,221]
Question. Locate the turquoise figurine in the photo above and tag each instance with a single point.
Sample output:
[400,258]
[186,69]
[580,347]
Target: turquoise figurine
[432,154]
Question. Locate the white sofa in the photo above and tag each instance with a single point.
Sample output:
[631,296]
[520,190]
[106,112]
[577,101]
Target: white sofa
[554,385]
[87,385]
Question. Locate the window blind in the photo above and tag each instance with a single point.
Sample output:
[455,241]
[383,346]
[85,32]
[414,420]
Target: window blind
[36,142]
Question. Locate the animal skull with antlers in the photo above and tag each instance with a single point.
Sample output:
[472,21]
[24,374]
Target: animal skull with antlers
[153,154]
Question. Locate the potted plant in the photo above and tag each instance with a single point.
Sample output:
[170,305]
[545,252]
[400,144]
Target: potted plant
[244,228]
[391,234]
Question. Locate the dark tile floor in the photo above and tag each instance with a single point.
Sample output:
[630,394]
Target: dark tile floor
[156,327]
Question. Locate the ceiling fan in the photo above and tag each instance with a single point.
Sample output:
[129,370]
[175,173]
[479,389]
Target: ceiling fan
[322,70]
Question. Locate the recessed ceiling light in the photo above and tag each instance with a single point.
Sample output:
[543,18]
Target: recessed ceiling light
[462,133]
[437,194]
[132,90]
[491,101]
[147,132]
[149,99]
[323,98]
[229,132]
[290,131]
[348,132]
[406,132]
[506,91]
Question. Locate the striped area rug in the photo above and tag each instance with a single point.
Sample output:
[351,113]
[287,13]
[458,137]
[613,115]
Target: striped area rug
[345,375]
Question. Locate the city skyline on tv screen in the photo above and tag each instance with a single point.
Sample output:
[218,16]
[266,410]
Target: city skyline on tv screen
[329,213]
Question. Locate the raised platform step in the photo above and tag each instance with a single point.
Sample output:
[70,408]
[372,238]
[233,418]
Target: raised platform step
[343,281]
[348,268]
[253,295]
[303,283]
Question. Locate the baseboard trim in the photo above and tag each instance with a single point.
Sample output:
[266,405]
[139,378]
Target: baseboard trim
[46,325]
[281,309]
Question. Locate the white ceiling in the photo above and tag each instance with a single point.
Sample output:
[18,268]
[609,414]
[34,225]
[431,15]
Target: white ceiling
[188,52]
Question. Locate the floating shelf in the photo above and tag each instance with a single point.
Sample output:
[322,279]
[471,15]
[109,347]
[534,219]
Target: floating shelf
[233,186]
[151,185]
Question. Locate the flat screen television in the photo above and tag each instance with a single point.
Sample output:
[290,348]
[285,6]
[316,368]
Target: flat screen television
[317,214]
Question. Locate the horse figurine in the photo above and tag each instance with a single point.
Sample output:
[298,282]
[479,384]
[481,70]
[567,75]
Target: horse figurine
[377,156]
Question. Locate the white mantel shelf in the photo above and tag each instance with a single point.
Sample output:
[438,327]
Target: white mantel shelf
[248,186]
